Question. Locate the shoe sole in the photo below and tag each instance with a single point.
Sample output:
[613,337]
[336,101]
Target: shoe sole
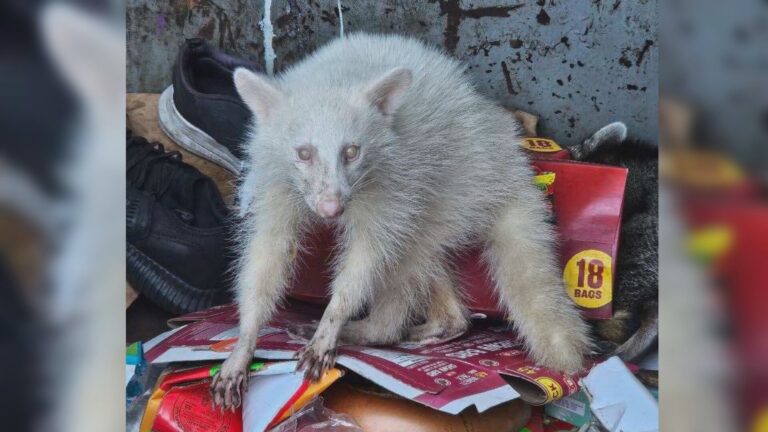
[165,288]
[192,139]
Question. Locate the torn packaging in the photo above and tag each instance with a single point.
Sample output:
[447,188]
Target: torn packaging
[181,400]
[474,369]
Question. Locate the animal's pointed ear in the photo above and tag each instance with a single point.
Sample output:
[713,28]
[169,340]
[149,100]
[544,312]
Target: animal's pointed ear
[386,92]
[614,133]
[258,92]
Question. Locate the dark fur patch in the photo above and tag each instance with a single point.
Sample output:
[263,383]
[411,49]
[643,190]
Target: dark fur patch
[637,275]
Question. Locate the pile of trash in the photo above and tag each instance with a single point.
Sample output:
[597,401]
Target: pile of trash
[483,369]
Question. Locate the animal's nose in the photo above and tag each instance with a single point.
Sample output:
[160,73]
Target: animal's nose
[329,207]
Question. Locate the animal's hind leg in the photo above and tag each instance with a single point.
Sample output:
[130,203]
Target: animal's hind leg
[385,322]
[446,315]
[521,256]
[397,300]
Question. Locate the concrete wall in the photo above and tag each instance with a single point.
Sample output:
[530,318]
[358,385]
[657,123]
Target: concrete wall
[579,64]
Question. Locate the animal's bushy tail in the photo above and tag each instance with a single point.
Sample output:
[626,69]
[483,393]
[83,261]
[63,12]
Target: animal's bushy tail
[643,338]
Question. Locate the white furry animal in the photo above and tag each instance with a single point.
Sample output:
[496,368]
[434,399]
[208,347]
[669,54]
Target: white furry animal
[386,139]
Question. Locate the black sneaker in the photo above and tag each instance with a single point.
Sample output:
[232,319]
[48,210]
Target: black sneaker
[202,111]
[177,236]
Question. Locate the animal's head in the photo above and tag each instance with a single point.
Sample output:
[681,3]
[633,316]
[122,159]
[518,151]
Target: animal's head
[327,139]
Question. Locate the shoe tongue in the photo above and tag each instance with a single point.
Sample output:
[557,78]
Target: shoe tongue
[194,198]
[206,203]
[149,168]
[161,177]
[138,154]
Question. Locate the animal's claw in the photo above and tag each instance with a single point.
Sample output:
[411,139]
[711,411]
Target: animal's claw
[227,389]
[315,361]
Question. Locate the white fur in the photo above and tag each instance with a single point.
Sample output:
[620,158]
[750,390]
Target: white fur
[439,168]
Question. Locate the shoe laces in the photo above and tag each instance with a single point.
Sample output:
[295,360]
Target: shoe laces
[150,168]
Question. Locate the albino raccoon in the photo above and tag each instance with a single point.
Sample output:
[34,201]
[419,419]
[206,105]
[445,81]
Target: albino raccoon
[386,139]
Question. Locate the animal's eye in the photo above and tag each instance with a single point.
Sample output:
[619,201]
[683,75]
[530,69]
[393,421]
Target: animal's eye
[304,154]
[351,153]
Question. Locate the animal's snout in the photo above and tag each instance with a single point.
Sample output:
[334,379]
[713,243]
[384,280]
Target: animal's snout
[329,206]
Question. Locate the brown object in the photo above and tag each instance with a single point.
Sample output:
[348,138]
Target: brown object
[141,109]
[130,295]
[529,121]
[380,411]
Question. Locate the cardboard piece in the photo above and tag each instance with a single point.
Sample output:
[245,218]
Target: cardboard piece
[483,368]
[130,295]
[619,400]
[528,121]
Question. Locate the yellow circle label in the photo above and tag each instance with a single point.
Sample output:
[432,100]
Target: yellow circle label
[553,388]
[541,145]
[588,278]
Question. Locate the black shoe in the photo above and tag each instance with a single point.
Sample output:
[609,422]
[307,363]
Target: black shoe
[202,111]
[177,248]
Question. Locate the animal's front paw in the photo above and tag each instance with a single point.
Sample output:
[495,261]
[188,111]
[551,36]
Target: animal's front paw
[229,385]
[562,353]
[316,358]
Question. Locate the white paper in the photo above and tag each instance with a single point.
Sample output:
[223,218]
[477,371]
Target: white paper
[619,400]
[129,371]
[266,396]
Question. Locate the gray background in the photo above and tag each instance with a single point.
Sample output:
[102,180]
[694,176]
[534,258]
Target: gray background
[578,64]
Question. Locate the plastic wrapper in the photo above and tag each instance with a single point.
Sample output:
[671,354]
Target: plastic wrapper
[181,400]
[315,417]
